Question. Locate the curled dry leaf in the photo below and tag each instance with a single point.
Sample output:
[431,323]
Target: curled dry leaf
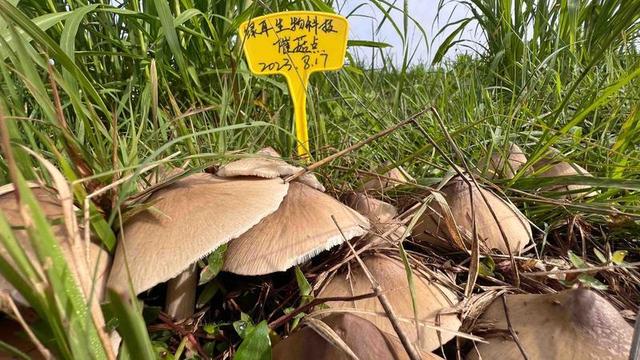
[433,302]
[573,324]
[301,228]
[433,229]
[97,262]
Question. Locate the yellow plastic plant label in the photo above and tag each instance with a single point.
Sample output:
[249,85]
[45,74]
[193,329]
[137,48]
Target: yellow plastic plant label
[295,44]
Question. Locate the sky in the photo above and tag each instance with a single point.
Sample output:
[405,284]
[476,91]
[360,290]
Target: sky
[364,21]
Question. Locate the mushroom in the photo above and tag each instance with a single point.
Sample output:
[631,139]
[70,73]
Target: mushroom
[431,227]
[573,324]
[302,227]
[499,167]
[267,166]
[187,220]
[381,215]
[98,258]
[392,178]
[432,301]
[361,337]
[549,167]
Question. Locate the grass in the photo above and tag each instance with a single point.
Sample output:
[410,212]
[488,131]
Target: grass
[102,91]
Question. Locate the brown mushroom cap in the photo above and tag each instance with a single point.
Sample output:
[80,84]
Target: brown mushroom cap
[52,208]
[394,177]
[302,227]
[188,220]
[362,337]
[563,168]
[267,167]
[432,300]
[515,225]
[381,215]
[573,324]
[499,167]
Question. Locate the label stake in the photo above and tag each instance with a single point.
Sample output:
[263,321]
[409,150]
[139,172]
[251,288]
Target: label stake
[295,44]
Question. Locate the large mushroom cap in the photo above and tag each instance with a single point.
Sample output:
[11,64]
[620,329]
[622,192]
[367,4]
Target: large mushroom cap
[188,220]
[432,301]
[573,324]
[98,259]
[302,227]
[506,165]
[430,227]
[267,167]
[363,338]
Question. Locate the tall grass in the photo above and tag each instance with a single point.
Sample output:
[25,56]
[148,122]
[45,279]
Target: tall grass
[101,90]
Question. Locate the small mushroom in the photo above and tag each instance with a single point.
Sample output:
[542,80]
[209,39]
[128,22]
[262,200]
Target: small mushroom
[431,227]
[186,221]
[433,301]
[98,259]
[381,215]
[573,324]
[302,227]
[506,165]
[392,178]
[361,337]
[553,168]
[269,167]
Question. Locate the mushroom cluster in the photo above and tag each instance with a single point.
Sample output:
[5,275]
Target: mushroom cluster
[270,225]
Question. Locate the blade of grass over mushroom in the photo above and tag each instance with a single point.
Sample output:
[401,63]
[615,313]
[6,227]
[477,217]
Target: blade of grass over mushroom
[131,326]
[85,342]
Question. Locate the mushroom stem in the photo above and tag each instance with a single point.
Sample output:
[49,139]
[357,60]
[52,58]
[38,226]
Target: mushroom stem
[181,294]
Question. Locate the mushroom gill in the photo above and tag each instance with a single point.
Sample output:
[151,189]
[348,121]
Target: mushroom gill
[433,302]
[573,324]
